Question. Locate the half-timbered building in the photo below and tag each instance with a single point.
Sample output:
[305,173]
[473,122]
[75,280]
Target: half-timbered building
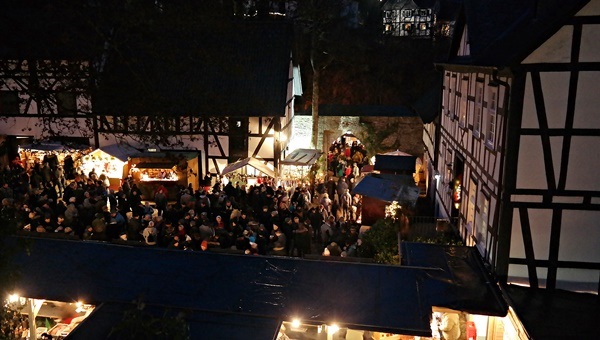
[511,154]
[229,96]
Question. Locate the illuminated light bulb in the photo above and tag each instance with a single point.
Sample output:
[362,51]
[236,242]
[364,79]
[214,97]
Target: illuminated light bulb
[296,323]
[334,329]
[12,298]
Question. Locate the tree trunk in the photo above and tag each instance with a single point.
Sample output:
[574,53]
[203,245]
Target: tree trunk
[315,108]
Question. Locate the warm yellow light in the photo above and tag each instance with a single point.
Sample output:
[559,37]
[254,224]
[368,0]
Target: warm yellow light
[12,298]
[333,329]
[296,323]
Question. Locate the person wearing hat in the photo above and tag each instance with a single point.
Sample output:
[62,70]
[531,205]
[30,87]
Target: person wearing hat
[278,242]
[302,239]
[97,230]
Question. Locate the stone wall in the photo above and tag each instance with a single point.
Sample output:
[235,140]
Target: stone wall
[388,133]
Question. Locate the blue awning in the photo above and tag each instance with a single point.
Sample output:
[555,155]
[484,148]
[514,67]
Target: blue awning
[395,299]
[388,188]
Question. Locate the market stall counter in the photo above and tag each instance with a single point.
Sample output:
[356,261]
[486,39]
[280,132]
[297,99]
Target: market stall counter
[149,176]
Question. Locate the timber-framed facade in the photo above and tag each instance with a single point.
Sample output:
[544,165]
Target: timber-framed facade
[60,95]
[512,151]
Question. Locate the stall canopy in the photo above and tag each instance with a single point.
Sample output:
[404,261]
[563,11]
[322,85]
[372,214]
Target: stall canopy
[52,146]
[250,161]
[226,287]
[302,157]
[395,161]
[463,269]
[121,151]
[388,188]
[155,165]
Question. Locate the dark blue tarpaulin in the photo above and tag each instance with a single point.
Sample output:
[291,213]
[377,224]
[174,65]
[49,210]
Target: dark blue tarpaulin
[388,188]
[362,296]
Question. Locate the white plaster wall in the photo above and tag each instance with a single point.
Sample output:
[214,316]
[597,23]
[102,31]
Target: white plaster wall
[588,100]
[557,49]
[584,161]
[573,247]
[189,142]
[592,8]
[590,35]
[540,222]
[31,126]
[301,133]
[555,88]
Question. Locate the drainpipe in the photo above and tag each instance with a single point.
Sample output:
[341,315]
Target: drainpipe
[503,206]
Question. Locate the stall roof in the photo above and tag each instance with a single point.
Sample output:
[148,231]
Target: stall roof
[463,269]
[234,289]
[250,161]
[120,151]
[302,157]
[556,314]
[392,162]
[52,146]
[155,165]
[388,188]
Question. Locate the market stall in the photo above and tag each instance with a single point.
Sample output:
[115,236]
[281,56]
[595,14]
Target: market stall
[168,169]
[297,165]
[54,153]
[110,161]
[248,170]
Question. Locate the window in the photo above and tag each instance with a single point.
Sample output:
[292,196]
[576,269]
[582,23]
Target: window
[478,109]
[491,123]
[464,91]
[445,94]
[9,102]
[482,221]
[452,96]
[66,103]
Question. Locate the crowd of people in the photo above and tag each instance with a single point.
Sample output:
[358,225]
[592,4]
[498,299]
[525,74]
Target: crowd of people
[265,218]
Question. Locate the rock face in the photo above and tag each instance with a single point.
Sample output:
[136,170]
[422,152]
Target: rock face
[382,134]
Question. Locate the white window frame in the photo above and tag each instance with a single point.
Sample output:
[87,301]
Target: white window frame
[492,106]
[452,96]
[478,113]
[463,107]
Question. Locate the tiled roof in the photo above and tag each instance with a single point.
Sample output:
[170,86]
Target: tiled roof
[243,71]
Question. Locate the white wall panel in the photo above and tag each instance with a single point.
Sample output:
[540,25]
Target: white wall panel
[530,168]
[582,280]
[554,85]
[589,50]
[584,162]
[574,247]
[592,8]
[588,101]
[557,49]
[529,119]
